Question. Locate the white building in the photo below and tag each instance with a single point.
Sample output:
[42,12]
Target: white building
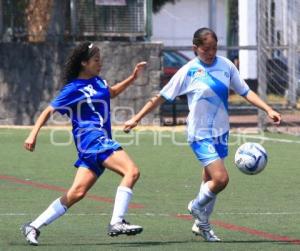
[247,37]
[176,23]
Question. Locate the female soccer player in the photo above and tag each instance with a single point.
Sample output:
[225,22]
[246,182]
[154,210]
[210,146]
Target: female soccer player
[206,80]
[85,98]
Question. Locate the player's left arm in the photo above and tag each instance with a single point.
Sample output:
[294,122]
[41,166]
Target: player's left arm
[120,87]
[30,141]
[255,100]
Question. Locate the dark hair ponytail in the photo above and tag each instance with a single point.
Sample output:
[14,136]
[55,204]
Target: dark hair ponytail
[201,34]
[72,67]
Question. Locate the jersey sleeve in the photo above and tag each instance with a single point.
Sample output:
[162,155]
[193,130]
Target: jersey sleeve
[237,83]
[102,82]
[176,86]
[66,97]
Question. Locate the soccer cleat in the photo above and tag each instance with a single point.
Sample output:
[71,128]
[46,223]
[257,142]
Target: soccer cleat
[123,227]
[31,234]
[207,235]
[198,213]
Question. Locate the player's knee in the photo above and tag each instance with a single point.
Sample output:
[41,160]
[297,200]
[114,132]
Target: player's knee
[135,173]
[222,181]
[225,181]
[78,194]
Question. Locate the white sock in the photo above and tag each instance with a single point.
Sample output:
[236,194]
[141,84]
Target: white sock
[54,211]
[204,196]
[210,205]
[123,197]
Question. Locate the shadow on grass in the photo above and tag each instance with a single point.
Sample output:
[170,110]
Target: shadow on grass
[157,243]
[117,244]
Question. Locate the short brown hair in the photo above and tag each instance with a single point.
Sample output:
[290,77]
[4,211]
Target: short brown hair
[200,34]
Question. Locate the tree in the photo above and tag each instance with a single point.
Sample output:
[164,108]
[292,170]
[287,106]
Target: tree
[38,13]
[158,4]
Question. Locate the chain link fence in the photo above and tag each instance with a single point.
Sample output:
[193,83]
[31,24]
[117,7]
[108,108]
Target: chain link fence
[278,50]
[110,21]
[39,20]
[277,47]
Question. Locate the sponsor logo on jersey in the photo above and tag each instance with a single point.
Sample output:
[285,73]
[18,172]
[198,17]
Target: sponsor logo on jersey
[89,91]
[200,73]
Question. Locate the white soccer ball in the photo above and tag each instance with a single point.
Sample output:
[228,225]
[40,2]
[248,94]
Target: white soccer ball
[251,158]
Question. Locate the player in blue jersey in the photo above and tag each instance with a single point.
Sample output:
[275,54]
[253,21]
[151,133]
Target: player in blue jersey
[85,98]
[206,81]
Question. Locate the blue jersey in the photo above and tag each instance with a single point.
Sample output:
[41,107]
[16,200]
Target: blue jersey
[207,89]
[87,103]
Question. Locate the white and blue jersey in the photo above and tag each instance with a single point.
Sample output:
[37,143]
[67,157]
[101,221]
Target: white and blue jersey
[87,103]
[207,89]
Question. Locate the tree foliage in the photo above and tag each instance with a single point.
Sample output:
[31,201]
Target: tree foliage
[158,4]
[38,17]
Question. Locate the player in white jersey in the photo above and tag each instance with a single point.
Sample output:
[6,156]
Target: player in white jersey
[206,81]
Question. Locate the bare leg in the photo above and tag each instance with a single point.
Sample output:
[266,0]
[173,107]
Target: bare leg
[121,163]
[83,181]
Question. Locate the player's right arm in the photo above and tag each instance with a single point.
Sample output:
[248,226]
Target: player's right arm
[170,91]
[148,107]
[30,142]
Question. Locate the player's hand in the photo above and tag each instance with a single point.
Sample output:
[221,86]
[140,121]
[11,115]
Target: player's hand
[275,116]
[29,143]
[129,124]
[138,68]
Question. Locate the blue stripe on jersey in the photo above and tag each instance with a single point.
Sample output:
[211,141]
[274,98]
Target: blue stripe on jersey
[207,90]
[192,71]
[219,88]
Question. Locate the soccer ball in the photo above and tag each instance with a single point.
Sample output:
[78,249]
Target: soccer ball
[251,158]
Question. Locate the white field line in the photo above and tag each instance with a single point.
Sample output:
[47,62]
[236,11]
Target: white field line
[157,214]
[265,138]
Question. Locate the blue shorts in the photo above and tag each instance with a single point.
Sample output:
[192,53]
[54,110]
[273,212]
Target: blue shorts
[211,149]
[93,157]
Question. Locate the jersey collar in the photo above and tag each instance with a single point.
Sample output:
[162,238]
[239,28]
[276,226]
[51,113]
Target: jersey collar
[208,65]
